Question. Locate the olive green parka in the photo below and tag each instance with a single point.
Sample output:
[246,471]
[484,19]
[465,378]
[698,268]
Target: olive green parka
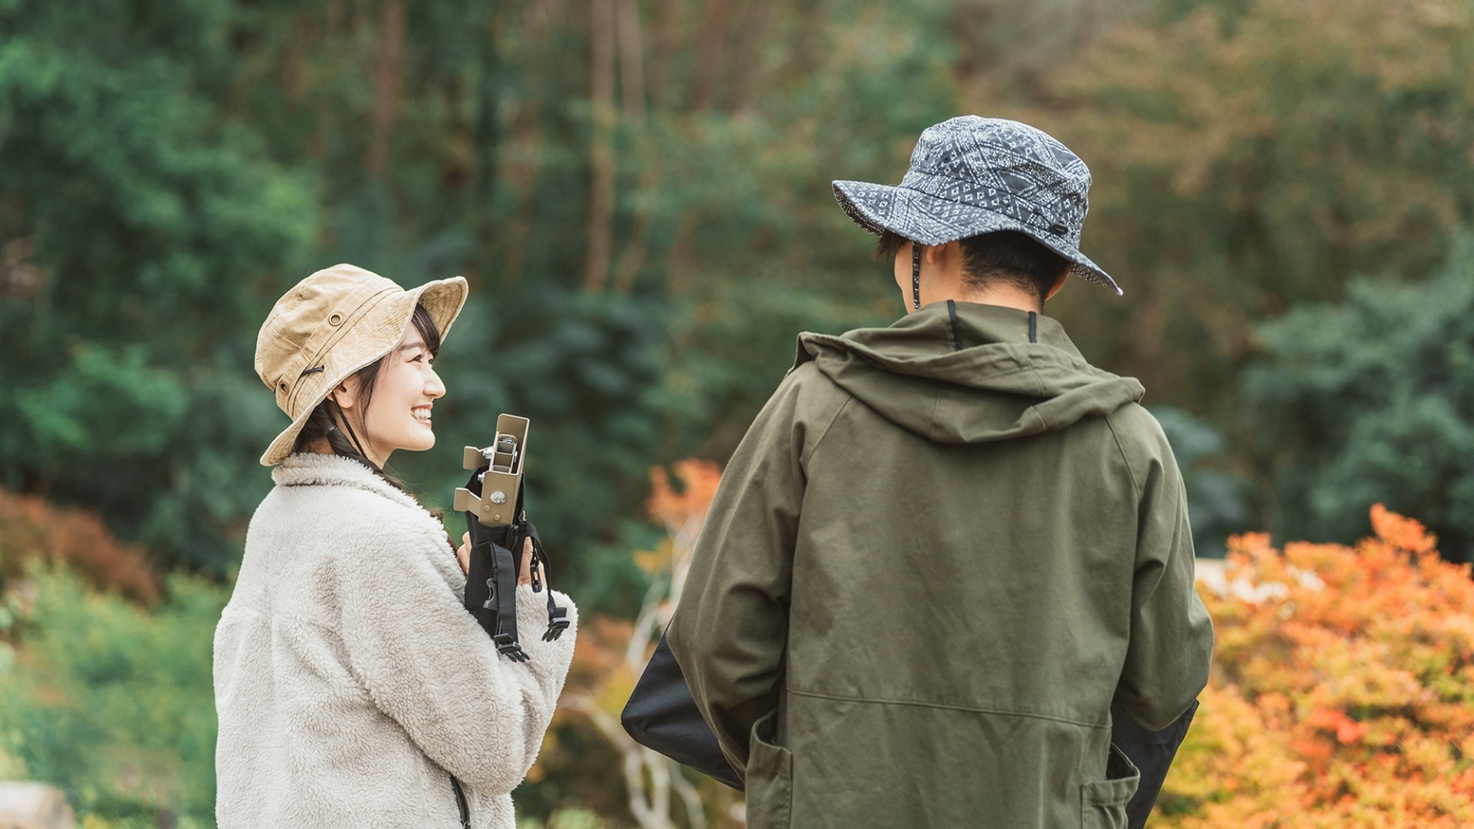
[940,552]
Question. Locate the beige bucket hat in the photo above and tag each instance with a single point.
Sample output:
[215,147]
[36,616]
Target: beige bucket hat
[332,324]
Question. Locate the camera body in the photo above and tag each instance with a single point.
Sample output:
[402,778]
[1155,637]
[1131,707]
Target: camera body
[493,502]
[493,495]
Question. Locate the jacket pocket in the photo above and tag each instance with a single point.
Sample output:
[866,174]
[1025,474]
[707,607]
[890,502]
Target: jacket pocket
[769,777]
[1103,803]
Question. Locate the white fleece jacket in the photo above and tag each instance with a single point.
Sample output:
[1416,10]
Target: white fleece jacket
[351,683]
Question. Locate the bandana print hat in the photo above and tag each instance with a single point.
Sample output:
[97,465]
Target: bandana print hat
[972,175]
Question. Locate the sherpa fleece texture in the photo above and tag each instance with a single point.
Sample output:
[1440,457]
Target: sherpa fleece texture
[351,683]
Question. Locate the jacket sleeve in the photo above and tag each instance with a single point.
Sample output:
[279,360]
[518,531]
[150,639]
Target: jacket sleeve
[730,628]
[429,666]
[1171,647]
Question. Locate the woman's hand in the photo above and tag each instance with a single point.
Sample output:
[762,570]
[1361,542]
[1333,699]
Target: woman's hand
[524,573]
[463,553]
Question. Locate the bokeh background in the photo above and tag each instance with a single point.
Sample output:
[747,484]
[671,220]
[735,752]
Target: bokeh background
[638,192]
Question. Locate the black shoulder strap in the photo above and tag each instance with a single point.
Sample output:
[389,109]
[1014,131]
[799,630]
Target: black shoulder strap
[461,804]
[541,572]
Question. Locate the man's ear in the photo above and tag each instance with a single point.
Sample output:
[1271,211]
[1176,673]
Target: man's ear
[1058,283]
[935,254]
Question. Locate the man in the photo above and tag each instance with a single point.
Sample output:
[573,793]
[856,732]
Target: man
[944,548]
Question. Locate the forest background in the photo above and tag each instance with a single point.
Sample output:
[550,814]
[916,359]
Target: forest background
[638,192]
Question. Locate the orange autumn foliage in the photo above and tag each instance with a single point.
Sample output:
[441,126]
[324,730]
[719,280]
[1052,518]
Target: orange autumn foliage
[699,479]
[680,509]
[1342,693]
[31,528]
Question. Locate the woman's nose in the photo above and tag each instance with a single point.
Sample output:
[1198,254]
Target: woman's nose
[433,386]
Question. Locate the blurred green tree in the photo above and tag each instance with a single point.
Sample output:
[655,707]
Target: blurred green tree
[1372,401]
[137,222]
[638,192]
[1250,155]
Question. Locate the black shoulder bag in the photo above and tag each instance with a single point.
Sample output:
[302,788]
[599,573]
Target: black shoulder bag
[662,715]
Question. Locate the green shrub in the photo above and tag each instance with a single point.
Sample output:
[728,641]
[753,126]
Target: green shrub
[1368,401]
[114,703]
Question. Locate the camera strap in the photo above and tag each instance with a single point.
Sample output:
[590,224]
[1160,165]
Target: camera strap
[542,573]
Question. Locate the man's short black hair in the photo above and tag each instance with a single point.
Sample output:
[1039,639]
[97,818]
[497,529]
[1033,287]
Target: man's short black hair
[1007,256]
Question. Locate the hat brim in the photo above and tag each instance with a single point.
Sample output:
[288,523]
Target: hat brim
[369,337]
[920,217]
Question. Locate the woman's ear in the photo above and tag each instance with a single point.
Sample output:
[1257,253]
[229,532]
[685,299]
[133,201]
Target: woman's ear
[346,394]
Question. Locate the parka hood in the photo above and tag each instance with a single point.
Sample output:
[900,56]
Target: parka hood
[967,373]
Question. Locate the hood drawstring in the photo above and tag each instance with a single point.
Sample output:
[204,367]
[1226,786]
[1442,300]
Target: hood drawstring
[915,276]
[352,436]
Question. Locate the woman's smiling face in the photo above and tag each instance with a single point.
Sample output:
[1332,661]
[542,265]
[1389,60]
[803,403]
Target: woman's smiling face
[405,391]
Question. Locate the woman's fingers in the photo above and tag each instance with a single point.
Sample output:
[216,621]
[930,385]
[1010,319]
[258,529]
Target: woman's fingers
[463,553]
[524,573]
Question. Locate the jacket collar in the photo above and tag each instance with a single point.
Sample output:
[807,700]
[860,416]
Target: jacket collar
[311,469]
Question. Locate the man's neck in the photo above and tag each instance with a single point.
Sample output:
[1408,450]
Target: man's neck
[1004,296]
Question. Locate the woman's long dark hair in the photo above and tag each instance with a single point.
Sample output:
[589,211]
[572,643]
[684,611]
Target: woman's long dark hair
[321,424]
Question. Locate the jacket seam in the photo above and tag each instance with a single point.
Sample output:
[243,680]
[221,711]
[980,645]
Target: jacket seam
[944,706]
[1135,489]
[808,455]
[936,405]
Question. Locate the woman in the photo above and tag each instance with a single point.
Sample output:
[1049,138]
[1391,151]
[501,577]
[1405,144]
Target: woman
[352,687]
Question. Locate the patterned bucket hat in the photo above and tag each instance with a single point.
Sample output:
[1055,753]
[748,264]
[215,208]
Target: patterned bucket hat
[334,323]
[972,175]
